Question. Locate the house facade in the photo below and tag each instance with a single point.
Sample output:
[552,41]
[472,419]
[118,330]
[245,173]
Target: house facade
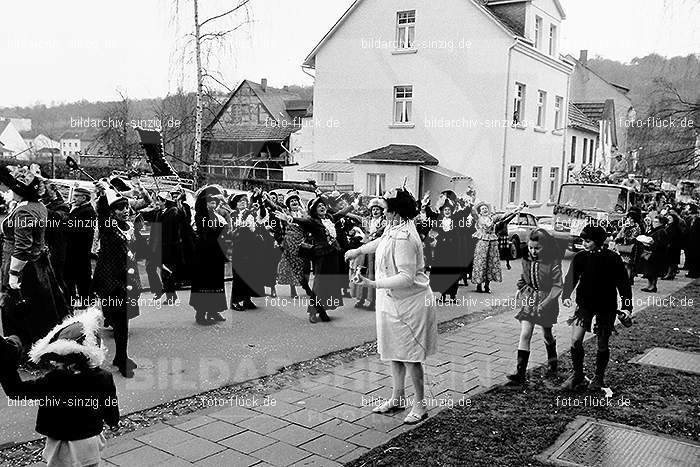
[71,143]
[479,86]
[250,135]
[589,87]
[582,146]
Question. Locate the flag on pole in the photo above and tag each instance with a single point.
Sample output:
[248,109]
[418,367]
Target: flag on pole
[152,143]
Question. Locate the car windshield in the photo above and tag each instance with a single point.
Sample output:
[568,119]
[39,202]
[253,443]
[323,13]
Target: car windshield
[594,198]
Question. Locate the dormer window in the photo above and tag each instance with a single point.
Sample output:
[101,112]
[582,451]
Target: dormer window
[405,29]
[538,32]
[553,39]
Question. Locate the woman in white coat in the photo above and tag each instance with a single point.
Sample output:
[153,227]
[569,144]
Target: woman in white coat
[406,323]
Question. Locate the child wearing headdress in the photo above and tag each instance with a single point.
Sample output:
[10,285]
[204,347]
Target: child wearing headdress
[75,398]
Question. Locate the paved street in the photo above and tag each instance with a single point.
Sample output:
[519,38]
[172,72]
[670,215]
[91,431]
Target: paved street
[178,358]
[327,420]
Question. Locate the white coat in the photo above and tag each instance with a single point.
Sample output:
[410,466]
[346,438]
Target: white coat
[406,322]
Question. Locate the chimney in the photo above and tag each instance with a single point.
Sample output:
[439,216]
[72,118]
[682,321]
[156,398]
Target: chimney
[263,84]
[583,58]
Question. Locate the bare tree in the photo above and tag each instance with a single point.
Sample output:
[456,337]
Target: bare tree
[210,36]
[668,135]
[118,138]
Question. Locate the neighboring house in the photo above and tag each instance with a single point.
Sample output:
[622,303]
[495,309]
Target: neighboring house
[588,86]
[582,142]
[12,142]
[71,144]
[250,136]
[604,116]
[41,142]
[480,87]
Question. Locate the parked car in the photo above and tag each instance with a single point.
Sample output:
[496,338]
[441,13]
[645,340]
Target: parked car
[547,223]
[519,230]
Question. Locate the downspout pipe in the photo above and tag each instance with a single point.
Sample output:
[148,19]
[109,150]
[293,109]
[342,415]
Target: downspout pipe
[563,176]
[506,120]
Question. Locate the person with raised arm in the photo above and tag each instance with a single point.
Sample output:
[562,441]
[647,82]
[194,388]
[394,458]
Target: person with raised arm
[405,320]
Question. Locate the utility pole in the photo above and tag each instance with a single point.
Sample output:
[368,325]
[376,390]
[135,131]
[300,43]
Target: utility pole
[196,160]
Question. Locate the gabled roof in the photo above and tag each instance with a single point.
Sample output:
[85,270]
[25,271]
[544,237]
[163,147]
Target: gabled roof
[578,119]
[591,110]
[328,166]
[397,154]
[273,99]
[3,125]
[619,88]
[275,102]
[509,29]
[249,132]
[557,3]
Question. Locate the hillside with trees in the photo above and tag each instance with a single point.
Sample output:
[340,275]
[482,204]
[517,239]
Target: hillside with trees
[666,95]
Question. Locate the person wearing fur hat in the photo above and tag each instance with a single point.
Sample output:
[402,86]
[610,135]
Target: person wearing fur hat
[80,235]
[293,268]
[598,276]
[450,257]
[32,300]
[328,280]
[487,259]
[208,296]
[116,281]
[406,322]
[83,396]
[376,223]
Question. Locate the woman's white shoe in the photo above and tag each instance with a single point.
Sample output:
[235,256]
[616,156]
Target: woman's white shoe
[390,405]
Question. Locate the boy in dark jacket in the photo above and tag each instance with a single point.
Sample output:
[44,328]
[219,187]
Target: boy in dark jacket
[75,398]
[598,275]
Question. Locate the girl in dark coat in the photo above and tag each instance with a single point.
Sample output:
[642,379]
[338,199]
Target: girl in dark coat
[208,297]
[116,281]
[83,395]
[328,279]
[32,301]
[655,254]
[539,288]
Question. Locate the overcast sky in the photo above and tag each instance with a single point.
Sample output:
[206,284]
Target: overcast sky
[53,51]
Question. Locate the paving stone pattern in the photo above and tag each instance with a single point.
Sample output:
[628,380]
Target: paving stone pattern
[327,419]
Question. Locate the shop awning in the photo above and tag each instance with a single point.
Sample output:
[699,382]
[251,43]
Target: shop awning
[328,166]
[447,173]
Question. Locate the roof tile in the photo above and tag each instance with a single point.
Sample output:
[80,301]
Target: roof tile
[397,153]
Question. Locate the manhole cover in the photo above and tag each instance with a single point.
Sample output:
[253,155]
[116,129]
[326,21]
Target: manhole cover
[600,443]
[669,358]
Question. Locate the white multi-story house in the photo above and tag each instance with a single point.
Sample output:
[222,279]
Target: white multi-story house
[70,143]
[435,92]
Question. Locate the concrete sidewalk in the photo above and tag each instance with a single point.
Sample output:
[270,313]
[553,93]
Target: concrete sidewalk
[327,420]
